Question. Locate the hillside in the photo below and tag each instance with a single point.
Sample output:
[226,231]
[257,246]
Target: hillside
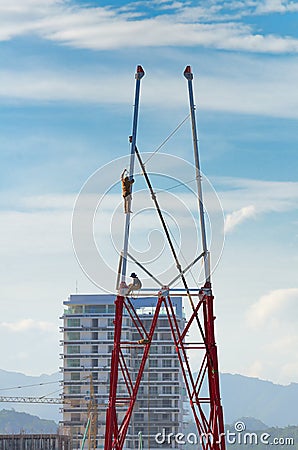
[12,421]
[273,404]
[9,379]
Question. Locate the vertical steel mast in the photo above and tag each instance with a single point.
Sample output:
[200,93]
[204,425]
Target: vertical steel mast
[139,75]
[111,415]
[216,413]
[189,76]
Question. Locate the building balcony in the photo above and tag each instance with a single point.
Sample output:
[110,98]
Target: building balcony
[84,342]
[86,328]
[86,355]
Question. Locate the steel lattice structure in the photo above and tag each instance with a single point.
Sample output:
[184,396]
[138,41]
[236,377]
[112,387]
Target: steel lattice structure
[206,408]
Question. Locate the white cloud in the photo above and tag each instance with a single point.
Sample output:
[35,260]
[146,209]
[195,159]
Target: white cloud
[265,196]
[274,308]
[257,369]
[35,233]
[239,216]
[273,319]
[259,197]
[28,325]
[117,32]
[276,6]
[243,85]
[104,28]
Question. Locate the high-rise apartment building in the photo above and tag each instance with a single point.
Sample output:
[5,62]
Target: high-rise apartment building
[88,333]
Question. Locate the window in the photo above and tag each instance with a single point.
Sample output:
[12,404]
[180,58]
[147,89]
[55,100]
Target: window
[75,417]
[166,390]
[94,375]
[165,336]
[166,402]
[94,336]
[166,363]
[153,376]
[110,335]
[75,376]
[73,336]
[94,323]
[71,349]
[163,323]
[95,309]
[153,390]
[94,362]
[153,362]
[74,389]
[167,417]
[139,416]
[166,377]
[166,349]
[75,309]
[94,349]
[110,322]
[73,323]
[111,309]
[73,363]
[153,350]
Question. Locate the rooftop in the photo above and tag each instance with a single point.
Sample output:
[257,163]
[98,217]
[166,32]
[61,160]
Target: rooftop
[109,299]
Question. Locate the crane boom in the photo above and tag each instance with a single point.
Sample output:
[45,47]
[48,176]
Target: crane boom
[50,400]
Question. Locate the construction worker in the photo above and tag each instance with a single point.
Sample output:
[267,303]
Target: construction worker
[126,191]
[135,285]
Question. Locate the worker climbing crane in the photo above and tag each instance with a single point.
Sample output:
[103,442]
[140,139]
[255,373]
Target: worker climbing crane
[206,407]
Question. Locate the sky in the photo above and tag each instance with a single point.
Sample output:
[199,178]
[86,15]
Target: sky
[66,96]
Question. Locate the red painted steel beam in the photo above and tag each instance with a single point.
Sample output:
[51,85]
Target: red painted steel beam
[209,422]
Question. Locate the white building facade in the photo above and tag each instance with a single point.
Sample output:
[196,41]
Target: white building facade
[88,333]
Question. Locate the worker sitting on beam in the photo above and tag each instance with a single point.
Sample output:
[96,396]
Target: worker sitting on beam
[135,285]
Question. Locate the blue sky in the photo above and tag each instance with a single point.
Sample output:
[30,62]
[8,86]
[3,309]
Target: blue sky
[66,89]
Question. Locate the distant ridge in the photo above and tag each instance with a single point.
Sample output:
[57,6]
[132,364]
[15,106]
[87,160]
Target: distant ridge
[13,422]
[242,396]
[273,404]
[9,379]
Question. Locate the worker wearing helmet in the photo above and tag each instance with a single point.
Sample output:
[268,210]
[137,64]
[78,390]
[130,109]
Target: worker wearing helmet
[135,285]
[126,191]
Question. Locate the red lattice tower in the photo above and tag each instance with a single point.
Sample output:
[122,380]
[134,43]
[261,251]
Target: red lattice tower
[202,388]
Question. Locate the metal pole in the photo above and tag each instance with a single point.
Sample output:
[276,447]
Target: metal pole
[140,445]
[189,76]
[138,76]
[85,434]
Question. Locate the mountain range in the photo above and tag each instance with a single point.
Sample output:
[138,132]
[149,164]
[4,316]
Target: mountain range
[11,385]
[13,422]
[273,404]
